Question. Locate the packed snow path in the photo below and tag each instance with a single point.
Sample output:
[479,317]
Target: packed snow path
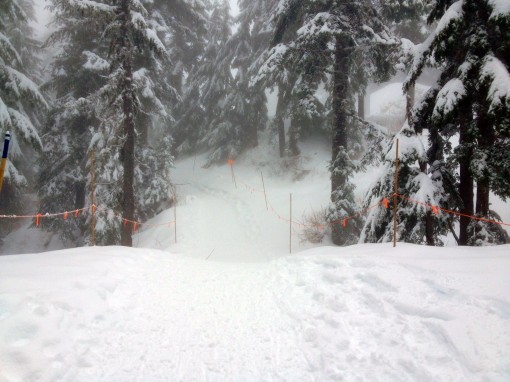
[366,313]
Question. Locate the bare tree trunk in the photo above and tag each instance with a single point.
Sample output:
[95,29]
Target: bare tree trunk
[361,104]
[410,96]
[429,219]
[466,184]
[485,142]
[293,138]
[128,150]
[279,121]
[340,99]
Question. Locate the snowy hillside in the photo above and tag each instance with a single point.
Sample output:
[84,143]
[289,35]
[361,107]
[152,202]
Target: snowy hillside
[364,313]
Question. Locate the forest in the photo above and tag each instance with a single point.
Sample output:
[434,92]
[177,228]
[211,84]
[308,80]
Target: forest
[127,87]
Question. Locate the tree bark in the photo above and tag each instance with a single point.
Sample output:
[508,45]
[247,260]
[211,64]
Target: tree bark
[361,105]
[429,219]
[410,96]
[466,183]
[485,142]
[279,121]
[293,138]
[340,99]
[128,150]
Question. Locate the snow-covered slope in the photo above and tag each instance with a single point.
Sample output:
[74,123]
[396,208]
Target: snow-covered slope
[364,313]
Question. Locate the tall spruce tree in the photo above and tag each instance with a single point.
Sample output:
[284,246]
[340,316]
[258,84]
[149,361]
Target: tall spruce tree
[21,102]
[470,101]
[334,31]
[415,221]
[77,72]
[125,100]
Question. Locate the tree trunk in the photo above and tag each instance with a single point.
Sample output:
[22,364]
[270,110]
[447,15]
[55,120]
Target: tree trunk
[293,138]
[485,142]
[482,198]
[340,99]
[279,121]
[410,96]
[466,183]
[429,219]
[128,150]
[361,105]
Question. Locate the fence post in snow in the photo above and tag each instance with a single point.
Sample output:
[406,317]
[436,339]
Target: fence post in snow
[4,158]
[174,189]
[290,226]
[395,201]
[92,221]
[264,187]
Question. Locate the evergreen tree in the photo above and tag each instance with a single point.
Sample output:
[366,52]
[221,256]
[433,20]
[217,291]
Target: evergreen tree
[21,102]
[333,32]
[243,113]
[124,101]
[407,17]
[297,78]
[183,27]
[208,85]
[417,192]
[470,101]
[77,72]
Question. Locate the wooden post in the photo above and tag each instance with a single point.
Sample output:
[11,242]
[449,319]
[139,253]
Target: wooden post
[175,212]
[395,196]
[92,222]
[231,164]
[264,187]
[290,226]
[4,158]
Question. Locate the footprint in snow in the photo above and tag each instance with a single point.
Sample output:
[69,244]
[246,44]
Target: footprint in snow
[376,283]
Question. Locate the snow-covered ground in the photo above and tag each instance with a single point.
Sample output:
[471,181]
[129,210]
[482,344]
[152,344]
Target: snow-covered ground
[224,300]
[363,313]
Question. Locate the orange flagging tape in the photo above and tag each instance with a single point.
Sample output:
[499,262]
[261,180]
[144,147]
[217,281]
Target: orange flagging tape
[453,212]
[93,209]
[385,201]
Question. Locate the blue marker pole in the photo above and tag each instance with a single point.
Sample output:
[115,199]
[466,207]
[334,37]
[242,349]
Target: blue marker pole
[4,158]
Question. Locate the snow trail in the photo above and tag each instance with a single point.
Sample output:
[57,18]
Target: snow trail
[364,313]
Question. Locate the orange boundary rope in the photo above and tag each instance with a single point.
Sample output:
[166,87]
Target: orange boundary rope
[38,217]
[435,209]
